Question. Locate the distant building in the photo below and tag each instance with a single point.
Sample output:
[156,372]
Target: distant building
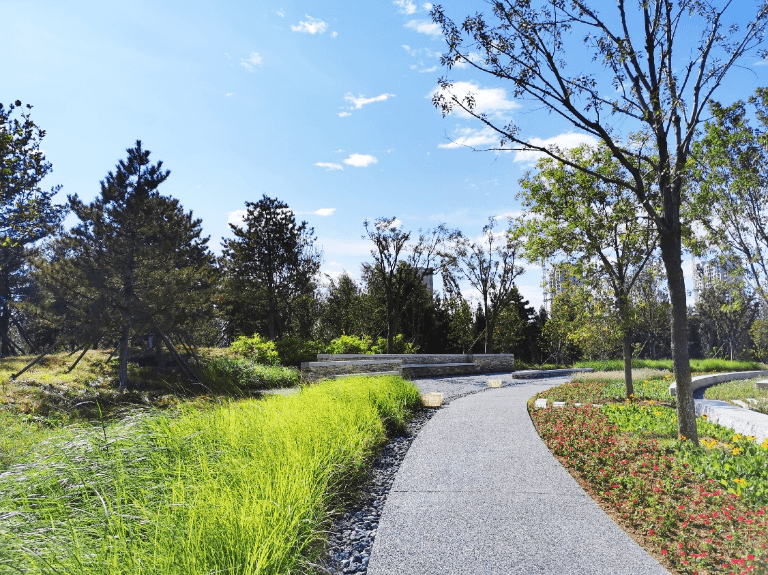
[554,279]
[427,278]
[707,273]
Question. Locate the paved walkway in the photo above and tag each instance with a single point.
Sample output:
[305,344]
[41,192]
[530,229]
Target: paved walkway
[480,493]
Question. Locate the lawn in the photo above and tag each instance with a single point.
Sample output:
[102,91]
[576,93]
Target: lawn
[54,391]
[697,510]
[247,486]
[743,390]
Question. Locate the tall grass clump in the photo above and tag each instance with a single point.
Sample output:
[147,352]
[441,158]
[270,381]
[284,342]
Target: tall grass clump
[239,489]
[234,374]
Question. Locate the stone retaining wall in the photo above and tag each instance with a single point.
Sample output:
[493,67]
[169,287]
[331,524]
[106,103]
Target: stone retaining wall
[321,369]
[409,358]
[409,366]
[416,371]
[493,362]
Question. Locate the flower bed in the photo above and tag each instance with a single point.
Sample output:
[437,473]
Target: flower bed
[697,510]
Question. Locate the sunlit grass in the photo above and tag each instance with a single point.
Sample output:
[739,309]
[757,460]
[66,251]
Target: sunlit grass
[697,365]
[243,488]
[744,390]
[49,389]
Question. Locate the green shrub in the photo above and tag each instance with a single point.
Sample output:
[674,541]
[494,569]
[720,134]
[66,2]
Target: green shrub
[293,350]
[349,344]
[399,345]
[235,375]
[259,350]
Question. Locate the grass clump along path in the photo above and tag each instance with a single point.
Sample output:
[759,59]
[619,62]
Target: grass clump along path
[245,487]
[697,510]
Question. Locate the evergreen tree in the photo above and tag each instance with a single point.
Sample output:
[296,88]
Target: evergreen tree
[27,214]
[136,264]
[269,265]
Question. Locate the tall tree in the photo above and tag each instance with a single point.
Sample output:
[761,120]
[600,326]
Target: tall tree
[731,171]
[648,74]
[400,266]
[27,213]
[490,266]
[136,264]
[592,222]
[269,265]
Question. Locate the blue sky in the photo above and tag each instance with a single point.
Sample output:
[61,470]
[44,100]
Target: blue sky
[324,105]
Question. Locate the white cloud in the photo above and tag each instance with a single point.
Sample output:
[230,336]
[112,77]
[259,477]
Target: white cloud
[322,212]
[504,216]
[337,264]
[427,6]
[344,114]
[563,141]
[491,101]
[426,70]
[761,63]
[346,247]
[472,57]
[230,94]
[251,62]
[472,138]
[280,13]
[405,6]
[329,166]
[424,27]
[236,218]
[227,56]
[407,48]
[312,26]
[360,101]
[385,226]
[360,160]
[334,34]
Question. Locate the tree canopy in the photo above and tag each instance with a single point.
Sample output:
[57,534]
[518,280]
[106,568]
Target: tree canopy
[593,224]
[135,265]
[647,75]
[27,211]
[269,265]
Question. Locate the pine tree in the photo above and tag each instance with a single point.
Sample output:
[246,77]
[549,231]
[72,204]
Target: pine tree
[27,213]
[269,265]
[135,265]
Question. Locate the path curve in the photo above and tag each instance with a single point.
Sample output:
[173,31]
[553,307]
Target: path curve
[479,493]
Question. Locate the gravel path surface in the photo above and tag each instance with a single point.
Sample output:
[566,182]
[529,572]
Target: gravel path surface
[478,492]
[352,535]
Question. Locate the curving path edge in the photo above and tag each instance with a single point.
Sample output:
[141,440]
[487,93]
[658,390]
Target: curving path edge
[479,493]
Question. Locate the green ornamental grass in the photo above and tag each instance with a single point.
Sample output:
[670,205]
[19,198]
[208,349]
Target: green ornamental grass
[247,487]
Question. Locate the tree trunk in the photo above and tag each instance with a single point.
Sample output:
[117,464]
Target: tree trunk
[622,301]
[124,341]
[671,250]
[5,321]
[627,349]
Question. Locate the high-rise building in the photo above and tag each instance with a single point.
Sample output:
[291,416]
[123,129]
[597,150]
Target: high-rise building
[707,273]
[555,277]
